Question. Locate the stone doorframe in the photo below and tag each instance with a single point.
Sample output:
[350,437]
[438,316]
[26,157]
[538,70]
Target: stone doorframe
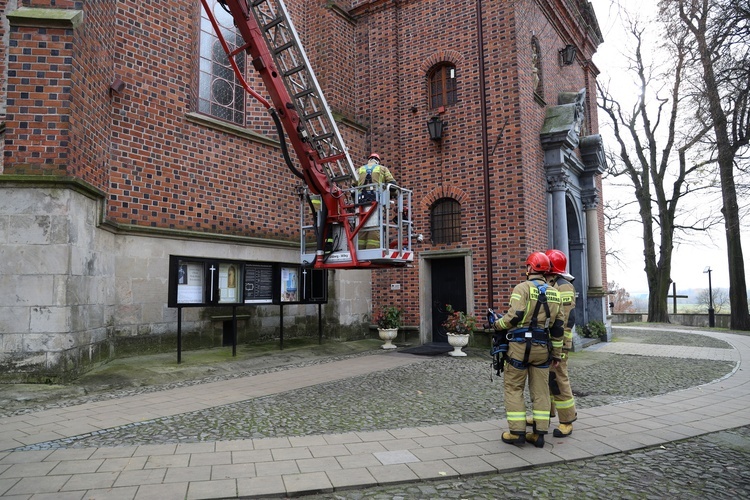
[426,259]
[572,184]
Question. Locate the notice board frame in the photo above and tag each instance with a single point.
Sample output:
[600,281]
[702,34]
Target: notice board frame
[214,282]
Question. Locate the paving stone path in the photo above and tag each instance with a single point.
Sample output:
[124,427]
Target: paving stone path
[662,412]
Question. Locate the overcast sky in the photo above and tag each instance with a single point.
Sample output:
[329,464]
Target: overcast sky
[689,259]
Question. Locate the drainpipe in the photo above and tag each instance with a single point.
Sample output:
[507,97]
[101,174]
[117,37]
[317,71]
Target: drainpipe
[485,159]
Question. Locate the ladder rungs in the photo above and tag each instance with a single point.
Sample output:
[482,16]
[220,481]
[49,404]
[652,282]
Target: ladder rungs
[294,70]
[304,93]
[322,137]
[273,23]
[313,115]
[258,2]
[342,178]
[282,48]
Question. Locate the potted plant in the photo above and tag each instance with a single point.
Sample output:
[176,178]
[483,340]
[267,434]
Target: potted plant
[459,326]
[389,321]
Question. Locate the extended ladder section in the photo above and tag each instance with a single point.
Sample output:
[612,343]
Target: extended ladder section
[298,104]
[318,125]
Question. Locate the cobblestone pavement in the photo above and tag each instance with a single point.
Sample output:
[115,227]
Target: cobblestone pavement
[444,390]
[715,465]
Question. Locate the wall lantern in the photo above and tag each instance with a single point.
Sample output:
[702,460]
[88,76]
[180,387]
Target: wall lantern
[116,87]
[435,127]
[568,55]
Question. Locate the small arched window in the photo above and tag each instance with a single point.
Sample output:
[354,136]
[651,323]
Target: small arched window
[445,221]
[442,85]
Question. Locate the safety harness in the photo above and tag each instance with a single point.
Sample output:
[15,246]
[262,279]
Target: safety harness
[368,195]
[533,334]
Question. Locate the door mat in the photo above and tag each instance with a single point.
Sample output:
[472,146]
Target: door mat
[429,349]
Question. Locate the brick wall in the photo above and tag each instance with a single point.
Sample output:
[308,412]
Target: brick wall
[89,144]
[398,43]
[4,29]
[40,72]
[161,166]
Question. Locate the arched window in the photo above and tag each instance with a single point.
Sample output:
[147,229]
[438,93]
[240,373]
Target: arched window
[220,94]
[445,221]
[442,85]
[536,69]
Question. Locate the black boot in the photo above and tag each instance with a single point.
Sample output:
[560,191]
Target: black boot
[510,438]
[564,430]
[535,439]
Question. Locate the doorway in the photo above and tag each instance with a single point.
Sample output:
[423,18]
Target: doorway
[448,286]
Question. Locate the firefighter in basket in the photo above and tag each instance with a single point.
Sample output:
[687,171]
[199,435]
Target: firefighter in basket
[371,176]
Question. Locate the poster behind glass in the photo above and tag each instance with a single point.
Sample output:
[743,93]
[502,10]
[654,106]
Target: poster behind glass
[290,284]
[190,282]
[229,283]
[258,283]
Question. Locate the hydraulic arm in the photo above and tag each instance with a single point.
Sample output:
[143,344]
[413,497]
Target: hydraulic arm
[332,208]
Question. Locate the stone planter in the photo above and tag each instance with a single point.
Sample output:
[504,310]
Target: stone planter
[387,335]
[458,341]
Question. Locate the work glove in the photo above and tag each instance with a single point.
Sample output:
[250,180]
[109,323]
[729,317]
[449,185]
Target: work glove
[492,317]
[554,388]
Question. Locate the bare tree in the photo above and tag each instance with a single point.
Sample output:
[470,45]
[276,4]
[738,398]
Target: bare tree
[620,298]
[653,151]
[719,300]
[719,42]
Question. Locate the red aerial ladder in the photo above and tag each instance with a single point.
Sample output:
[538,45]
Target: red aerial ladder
[332,206]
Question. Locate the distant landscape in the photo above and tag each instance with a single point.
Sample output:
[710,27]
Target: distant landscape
[695,302]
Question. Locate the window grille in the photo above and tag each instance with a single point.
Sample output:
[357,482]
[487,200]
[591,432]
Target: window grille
[445,221]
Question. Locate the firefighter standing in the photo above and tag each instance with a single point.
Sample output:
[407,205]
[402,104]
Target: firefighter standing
[372,176]
[563,401]
[533,328]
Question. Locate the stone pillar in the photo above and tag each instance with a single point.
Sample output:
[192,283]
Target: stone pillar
[590,200]
[558,184]
[596,298]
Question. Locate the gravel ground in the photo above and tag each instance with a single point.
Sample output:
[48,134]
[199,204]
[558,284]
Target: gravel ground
[440,391]
[447,390]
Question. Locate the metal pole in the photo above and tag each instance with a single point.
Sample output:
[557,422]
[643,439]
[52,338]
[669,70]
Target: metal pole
[711,317]
[179,335]
[485,158]
[234,331]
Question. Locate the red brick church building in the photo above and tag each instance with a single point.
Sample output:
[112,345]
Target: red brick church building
[127,140]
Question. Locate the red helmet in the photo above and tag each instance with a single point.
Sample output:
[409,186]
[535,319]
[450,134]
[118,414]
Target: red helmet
[538,262]
[374,155]
[558,260]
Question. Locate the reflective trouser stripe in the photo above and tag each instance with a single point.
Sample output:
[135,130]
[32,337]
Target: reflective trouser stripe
[514,382]
[541,415]
[565,404]
[568,339]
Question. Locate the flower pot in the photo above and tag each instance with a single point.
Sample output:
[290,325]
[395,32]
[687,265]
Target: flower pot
[458,340]
[387,335]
